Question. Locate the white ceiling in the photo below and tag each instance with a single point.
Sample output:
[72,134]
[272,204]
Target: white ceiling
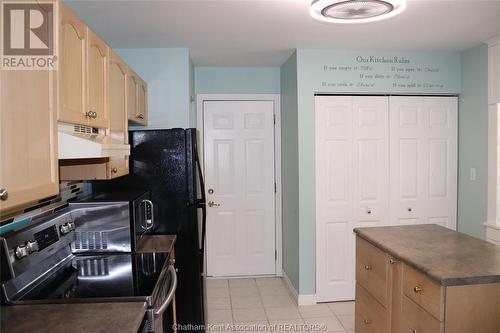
[264,32]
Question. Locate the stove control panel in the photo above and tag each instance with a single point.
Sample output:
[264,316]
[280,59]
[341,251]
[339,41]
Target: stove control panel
[46,237]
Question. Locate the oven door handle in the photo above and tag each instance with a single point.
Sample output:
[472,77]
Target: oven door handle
[171,292]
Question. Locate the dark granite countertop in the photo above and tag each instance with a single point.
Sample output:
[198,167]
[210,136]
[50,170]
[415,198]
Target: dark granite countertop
[450,257]
[64,318]
[156,243]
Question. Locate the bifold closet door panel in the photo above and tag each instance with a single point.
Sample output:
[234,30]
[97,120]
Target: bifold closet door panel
[371,161]
[423,160]
[352,181]
[334,203]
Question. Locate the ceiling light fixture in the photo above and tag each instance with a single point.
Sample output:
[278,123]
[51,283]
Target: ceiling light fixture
[355,11]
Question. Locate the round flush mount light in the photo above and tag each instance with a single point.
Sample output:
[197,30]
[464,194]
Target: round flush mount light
[355,11]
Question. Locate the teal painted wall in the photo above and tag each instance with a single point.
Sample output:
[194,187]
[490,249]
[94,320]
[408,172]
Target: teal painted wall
[289,170]
[473,142]
[237,80]
[166,71]
[313,78]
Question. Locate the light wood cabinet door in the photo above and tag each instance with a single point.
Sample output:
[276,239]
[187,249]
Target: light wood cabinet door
[137,99]
[142,102]
[97,80]
[118,122]
[132,84]
[28,137]
[72,68]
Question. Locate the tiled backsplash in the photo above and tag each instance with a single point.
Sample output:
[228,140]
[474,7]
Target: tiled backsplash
[68,190]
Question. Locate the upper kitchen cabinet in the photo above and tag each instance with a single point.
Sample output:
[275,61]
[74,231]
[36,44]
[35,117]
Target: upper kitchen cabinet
[28,137]
[97,80]
[494,71]
[83,73]
[72,68]
[137,99]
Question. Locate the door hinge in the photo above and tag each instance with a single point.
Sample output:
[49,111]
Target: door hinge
[275,188]
[275,255]
[274,119]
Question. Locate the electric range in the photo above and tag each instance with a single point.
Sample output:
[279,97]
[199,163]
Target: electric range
[39,266]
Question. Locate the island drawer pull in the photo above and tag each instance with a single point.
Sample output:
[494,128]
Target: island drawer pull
[418,289]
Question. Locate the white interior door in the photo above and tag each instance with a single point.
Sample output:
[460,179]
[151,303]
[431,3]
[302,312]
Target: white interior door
[239,168]
[351,184]
[424,160]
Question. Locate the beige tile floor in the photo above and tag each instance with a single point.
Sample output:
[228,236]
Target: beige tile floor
[265,304]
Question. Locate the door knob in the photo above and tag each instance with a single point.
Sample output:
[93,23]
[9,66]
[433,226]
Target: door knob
[114,170]
[210,191]
[213,204]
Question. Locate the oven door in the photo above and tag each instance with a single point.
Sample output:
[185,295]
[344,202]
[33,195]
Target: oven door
[162,316]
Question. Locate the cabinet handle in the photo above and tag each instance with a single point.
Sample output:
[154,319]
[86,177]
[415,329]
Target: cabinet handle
[114,170]
[4,194]
[415,331]
[409,209]
[392,261]
[417,289]
[91,114]
[369,211]
[367,321]
[368,267]
[141,116]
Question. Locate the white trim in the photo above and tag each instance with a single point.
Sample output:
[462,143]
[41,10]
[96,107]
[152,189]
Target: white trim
[304,299]
[493,233]
[492,214]
[275,98]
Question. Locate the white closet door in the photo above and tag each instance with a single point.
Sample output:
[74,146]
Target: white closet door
[423,153]
[371,161]
[351,184]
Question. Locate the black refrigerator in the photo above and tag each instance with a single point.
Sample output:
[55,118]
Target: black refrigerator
[166,163]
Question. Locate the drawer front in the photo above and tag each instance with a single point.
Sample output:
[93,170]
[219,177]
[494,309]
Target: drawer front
[417,320]
[372,270]
[422,290]
[370,315]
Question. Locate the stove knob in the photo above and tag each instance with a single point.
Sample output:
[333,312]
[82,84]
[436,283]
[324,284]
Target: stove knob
[64,229]
[71,225]
[22,251]
[32,246]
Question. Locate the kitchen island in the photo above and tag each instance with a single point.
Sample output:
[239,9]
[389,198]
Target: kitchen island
[426,278]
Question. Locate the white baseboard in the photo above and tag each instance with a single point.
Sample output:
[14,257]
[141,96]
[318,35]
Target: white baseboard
[493,233]
[299,299]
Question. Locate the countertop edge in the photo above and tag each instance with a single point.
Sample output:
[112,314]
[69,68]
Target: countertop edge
[446,282]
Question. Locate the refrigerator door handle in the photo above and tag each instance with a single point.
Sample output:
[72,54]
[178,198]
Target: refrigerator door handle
[201,203]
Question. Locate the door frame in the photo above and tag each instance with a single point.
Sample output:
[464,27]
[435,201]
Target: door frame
[275,98]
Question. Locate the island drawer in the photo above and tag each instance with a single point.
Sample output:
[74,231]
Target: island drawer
[370,315]
[423,291]
[416,319]
[372,266]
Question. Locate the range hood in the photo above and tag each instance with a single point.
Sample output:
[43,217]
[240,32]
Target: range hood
[78,141]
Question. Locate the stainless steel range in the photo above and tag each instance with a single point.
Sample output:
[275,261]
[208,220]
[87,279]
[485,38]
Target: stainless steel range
[82,254]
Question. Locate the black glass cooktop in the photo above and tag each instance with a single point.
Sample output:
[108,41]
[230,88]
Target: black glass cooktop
[101,277]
